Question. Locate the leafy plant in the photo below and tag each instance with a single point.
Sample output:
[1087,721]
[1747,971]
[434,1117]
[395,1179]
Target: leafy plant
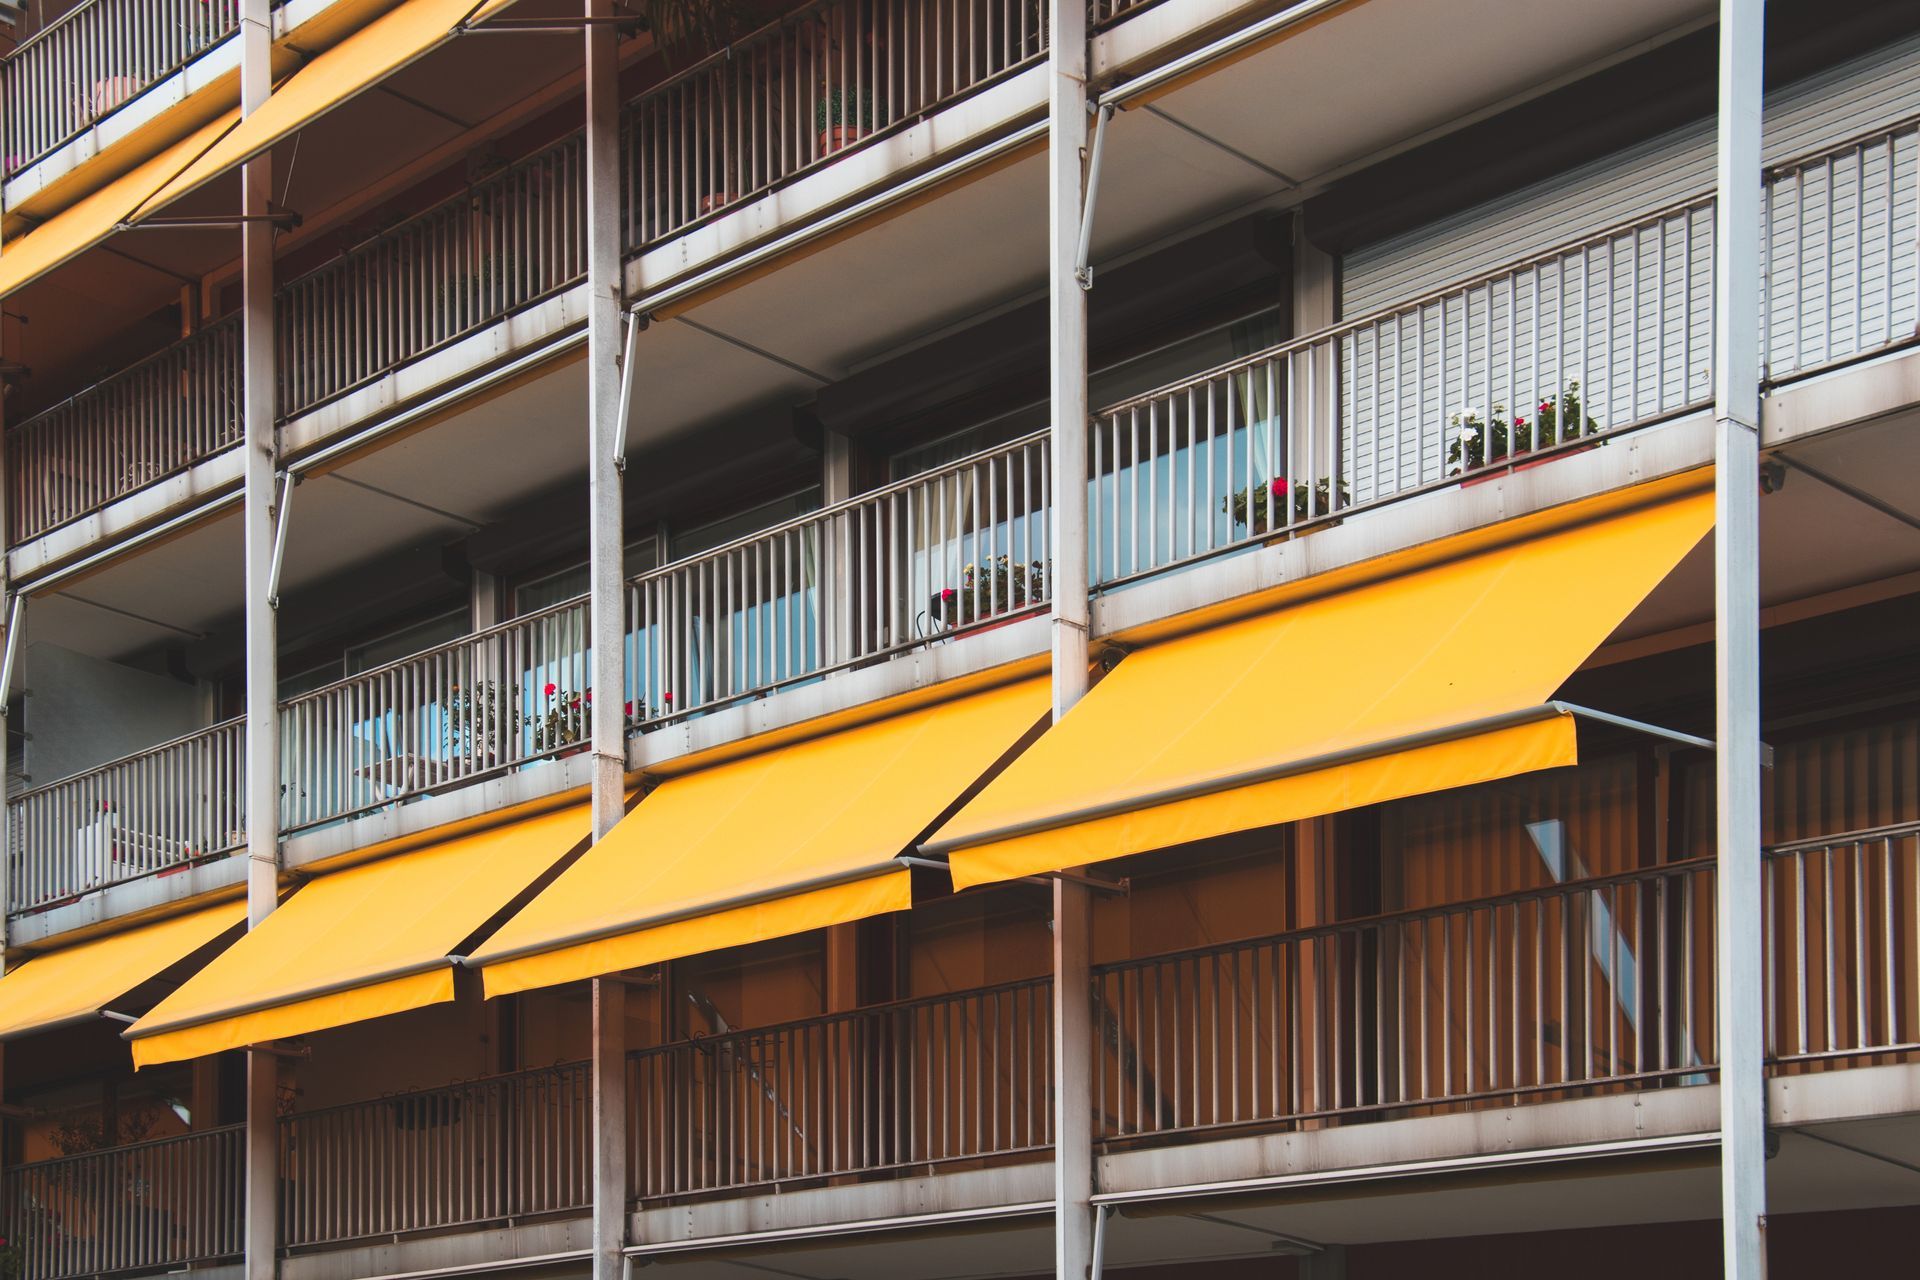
[479,720]
[830,108]
[1479,440]
[1256,506]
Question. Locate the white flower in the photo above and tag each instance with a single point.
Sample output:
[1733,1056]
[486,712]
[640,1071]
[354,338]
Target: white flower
[1467,435]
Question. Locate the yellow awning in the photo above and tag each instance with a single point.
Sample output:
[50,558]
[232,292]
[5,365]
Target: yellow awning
[356,64]
[1435,679]
[794,838]
[75,983]
[357,944]
[93,218]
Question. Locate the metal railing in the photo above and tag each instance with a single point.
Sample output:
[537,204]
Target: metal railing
[455,713]
[177,407]
[498,246]
[1843,941]
[956,548]
[506,1147]
[908,1085]
[146,813]
[1605,981]
[151,1206]
[96,58]
[801,90]
[1545,355]
[1842,253]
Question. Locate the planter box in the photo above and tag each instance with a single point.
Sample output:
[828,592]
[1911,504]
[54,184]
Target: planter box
[1494,470]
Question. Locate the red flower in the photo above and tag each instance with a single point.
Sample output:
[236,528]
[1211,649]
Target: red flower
[629,708]
[948,594]
[1519,421]
[551,687]
[1544,406]
[1279,486]
[666,697]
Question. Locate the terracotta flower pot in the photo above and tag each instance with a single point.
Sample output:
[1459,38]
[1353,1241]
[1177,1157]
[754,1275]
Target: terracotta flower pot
[716,200]
[838,137]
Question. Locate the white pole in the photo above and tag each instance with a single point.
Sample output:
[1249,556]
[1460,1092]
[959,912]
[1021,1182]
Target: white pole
[261,461]
[606,609]
[1067,569]
[1736,364]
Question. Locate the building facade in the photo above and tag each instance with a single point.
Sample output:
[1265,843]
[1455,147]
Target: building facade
[1231,638]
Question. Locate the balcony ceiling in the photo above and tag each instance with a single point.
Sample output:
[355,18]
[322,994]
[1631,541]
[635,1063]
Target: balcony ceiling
[1814,538]
[428,489]
[331,173]
[780,336]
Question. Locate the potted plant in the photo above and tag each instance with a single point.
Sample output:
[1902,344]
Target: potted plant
[840,122]
[1258,505]
[478,720]
[1004,586]
[1493,438]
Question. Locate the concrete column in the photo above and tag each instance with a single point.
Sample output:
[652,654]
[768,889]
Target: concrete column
[1067,566]
[836,485]
[261,460]
[1736,562]
[606,611]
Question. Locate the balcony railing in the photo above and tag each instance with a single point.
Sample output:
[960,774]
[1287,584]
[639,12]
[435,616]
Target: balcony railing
[153,420]
[925,1082]
[504,243]
[506,1147]
[460,711]
[147,813]
[96,58]
[1601,982]
[153,1206]
[1843,940]
[803,89]
[956,548]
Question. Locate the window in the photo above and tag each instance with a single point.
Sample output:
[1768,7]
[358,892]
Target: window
[407,641]
[552,588]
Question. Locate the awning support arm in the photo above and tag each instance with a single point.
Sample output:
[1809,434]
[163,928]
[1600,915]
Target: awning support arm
[280,523]
[1082,271]
[636,324]
[15,608]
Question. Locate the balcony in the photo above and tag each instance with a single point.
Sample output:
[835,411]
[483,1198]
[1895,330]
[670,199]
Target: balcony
[96,58]
[1591,987]
[1601,336]
[153,1206]
[819,84]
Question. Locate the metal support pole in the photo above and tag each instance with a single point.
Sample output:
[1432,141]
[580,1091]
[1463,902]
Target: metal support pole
[606,607]
[260,1235]
[16,611]
[1736,547]
[1067,161]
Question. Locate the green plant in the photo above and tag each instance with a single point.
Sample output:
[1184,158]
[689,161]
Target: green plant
[1491,438]
[479,719]
[696,24]
[1255,506]
[830,108]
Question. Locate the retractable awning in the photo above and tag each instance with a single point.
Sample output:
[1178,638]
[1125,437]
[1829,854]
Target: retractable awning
[357,63]
[356,944]
[794,838]
[1434,679]
[349,68]
[74,984]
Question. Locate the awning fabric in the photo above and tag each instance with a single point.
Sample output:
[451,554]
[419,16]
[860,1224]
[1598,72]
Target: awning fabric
[75,983]
[794,838]
[357,944]
[1270,719]
[93,218]
[377,50]
[356,64]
